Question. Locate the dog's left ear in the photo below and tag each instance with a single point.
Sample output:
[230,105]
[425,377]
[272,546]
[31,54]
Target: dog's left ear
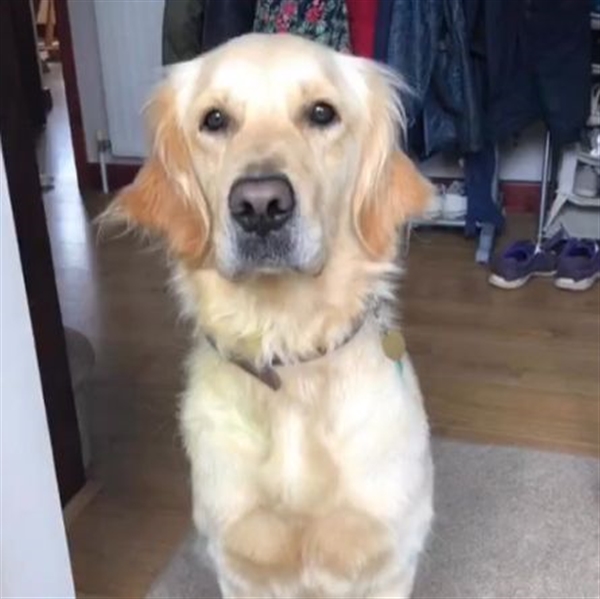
[389,188]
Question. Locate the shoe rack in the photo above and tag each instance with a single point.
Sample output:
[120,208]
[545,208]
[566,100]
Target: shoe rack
[576,204]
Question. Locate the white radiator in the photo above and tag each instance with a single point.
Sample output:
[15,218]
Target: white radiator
[130,39]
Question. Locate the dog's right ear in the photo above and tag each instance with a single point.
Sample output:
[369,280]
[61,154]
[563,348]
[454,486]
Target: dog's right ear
[165,197]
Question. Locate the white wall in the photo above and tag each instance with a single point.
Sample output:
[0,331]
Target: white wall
[34,560]
[89,71]
[86,33]
[130,36]
[518,162]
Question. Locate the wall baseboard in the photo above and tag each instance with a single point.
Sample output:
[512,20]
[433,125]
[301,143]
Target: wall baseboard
[521,196]
[118,175]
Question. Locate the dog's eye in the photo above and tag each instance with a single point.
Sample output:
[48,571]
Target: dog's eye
[215,120]
[322,114]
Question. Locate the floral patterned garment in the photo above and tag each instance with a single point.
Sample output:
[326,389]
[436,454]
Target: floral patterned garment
[324,21]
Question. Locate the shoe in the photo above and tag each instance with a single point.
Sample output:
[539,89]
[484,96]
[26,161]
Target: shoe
[587,182]
[434,208]
[578,265]
[454,206]
[523,259]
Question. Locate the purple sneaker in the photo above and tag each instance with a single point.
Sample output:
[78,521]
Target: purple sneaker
[578,265]
[523,259]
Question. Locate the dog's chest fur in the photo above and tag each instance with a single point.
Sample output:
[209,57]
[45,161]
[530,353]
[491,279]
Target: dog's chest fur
[299,473]
[303,448]
[281,436]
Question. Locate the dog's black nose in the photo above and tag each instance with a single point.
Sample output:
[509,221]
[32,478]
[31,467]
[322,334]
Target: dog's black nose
[262,204]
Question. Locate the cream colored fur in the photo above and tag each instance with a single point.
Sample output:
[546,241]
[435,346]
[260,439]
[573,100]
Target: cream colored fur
[323,488]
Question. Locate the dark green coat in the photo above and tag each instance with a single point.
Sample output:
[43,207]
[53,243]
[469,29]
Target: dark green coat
[183,24]
[191,27]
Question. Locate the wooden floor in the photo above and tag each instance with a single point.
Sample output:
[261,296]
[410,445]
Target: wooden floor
[517,367]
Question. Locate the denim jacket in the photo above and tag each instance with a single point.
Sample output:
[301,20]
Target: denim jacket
[427,43]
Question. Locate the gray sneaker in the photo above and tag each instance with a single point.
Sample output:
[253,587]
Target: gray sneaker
[587,182]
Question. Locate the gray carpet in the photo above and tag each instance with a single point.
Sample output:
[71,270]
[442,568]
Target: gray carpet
[510,523]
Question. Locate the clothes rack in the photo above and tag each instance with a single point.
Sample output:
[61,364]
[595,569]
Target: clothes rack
[546,176]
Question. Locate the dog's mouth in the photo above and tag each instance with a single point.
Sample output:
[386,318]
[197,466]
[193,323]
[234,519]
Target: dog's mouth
[296,247]
[271,252]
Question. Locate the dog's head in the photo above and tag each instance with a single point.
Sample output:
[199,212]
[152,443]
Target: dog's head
[268,151]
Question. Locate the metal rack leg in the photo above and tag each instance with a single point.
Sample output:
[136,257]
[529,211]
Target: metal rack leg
[546,166]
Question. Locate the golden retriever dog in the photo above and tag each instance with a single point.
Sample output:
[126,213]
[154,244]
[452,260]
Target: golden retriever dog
[276,180]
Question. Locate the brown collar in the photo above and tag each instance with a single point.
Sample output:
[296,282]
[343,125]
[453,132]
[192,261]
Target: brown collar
[267,374]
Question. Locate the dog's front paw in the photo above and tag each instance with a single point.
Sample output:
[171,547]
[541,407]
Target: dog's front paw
[346,544]
[262,543]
